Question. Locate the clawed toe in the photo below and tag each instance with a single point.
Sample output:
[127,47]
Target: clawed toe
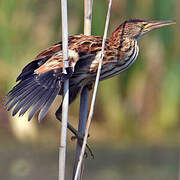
[80,138]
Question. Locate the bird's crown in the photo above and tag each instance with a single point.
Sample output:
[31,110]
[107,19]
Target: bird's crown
[135,28]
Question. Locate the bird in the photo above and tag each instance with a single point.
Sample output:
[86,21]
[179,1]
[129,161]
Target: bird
[42,79]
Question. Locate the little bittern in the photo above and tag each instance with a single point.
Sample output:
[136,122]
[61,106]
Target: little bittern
[42,79]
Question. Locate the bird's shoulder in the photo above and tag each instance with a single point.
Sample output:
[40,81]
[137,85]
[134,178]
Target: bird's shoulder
[78,46]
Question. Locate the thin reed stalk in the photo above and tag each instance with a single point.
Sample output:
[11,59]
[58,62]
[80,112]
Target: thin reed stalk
[85,92]
[62,148]
[94,95]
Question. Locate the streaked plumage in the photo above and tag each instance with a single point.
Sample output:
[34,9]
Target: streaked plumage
[42,79]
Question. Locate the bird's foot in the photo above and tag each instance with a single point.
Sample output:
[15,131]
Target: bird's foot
[79,136]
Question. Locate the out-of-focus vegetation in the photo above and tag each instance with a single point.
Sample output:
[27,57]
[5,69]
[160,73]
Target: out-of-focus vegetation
[141,103]
[138,109]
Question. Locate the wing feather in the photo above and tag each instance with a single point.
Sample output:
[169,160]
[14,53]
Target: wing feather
[47,104]
[37,98]
[41,81]
[38,90]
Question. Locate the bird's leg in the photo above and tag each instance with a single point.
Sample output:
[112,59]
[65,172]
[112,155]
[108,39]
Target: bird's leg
[69,126]
[72,97]
[77,135]
[80,141]
[73,92]
[64,77]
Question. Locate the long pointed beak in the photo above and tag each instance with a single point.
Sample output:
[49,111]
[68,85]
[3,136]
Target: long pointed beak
[157,24]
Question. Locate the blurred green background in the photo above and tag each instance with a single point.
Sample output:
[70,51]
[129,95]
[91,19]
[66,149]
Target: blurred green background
[136,127]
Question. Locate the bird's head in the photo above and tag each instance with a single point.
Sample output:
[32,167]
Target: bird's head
[136,28]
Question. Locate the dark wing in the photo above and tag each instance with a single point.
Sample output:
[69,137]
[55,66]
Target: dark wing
[81,71]
[38,87]
[39,61]
[37,91]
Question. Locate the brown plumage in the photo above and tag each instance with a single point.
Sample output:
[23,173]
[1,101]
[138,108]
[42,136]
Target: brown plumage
[42,79]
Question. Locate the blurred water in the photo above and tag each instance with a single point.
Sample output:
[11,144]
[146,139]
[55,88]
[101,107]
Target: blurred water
[40,161]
